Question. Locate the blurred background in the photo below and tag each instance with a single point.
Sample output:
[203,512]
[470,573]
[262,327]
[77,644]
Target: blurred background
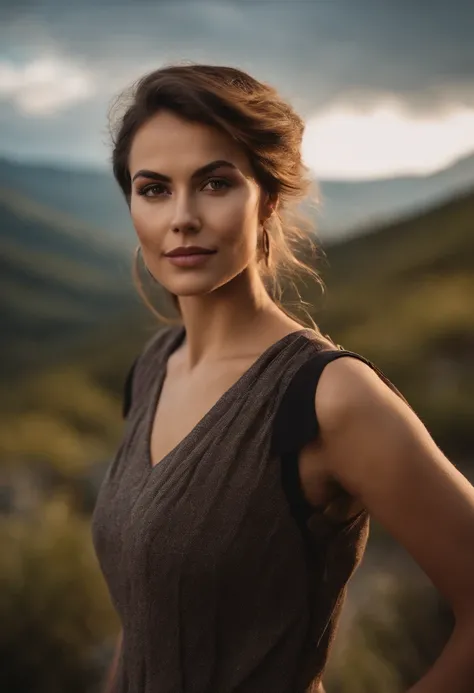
[387,92]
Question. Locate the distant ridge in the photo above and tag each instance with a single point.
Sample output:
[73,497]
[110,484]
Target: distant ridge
[346,206]
[351,207]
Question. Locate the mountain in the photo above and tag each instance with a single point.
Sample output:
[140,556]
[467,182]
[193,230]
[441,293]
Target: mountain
[87,195]
[404,295]
[60,280]
[346,207]
[349,207]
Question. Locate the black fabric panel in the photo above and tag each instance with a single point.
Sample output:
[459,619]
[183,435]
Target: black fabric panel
[296,425]
[295,422]
[127,390]
[300,508]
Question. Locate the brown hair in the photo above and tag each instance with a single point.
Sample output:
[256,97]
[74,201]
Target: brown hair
[262,123]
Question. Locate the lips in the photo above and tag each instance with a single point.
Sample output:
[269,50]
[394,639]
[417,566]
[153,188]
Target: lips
[183,251]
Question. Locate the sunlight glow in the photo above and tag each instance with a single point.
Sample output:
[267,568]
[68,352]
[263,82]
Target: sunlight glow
[343,143]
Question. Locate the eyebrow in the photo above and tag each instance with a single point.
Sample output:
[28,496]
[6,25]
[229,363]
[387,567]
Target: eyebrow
[219,163]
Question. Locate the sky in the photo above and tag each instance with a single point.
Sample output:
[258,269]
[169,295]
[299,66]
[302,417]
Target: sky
[386,87]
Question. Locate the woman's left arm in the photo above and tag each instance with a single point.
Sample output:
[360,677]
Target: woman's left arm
[381,453]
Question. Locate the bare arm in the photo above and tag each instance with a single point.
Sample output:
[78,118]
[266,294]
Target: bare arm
[112,673]
[376,447]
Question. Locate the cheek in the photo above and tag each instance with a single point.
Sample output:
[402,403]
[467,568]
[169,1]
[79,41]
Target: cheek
[145,221]
[238,227]
[244,240]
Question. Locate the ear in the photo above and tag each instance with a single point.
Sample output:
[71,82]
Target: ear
[268,205]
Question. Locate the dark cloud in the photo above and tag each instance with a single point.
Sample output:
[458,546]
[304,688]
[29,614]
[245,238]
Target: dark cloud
[315,51]
[319,48]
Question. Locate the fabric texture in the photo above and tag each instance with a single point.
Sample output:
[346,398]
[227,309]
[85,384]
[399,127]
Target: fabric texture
[217,588]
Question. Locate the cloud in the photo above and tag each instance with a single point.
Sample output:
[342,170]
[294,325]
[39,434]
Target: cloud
[316,50]
[45,86]
[385,141]
[62,62]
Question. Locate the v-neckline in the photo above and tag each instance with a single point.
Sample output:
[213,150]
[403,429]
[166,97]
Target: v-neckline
[174,344]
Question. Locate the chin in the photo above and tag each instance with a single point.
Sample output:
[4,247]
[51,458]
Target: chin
[197,285]
[192,286]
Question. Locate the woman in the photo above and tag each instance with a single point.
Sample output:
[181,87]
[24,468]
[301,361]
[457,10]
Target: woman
[255,449]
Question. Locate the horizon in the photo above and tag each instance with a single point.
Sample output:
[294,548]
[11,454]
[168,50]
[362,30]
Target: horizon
[94,168]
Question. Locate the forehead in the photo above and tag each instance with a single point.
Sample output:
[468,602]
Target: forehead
[167,143]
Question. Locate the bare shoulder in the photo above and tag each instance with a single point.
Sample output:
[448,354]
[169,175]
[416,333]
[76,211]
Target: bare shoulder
[361,417]
[377,448]
[348,384]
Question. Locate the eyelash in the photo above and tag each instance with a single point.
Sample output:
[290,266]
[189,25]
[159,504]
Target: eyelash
[146,188]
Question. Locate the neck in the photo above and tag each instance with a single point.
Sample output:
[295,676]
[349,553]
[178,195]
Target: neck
[224,322]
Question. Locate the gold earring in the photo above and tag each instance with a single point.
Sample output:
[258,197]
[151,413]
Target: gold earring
[266,245]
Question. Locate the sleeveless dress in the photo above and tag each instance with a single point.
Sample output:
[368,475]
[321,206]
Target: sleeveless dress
[222,583]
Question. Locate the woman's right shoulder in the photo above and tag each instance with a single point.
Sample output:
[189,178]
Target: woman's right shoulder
[144,365]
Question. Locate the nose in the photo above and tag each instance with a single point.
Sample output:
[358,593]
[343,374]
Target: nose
[185,219]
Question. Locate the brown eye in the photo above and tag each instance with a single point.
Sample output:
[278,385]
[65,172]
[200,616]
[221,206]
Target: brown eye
[154,190]
[219,182]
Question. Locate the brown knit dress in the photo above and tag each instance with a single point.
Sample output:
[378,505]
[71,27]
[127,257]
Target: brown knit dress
[216,587]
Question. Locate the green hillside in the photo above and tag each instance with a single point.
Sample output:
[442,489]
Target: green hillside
[404,297]
[59,281]
[86,194]
[378,281]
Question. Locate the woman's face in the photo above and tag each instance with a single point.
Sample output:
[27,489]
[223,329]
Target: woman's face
[176,202]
